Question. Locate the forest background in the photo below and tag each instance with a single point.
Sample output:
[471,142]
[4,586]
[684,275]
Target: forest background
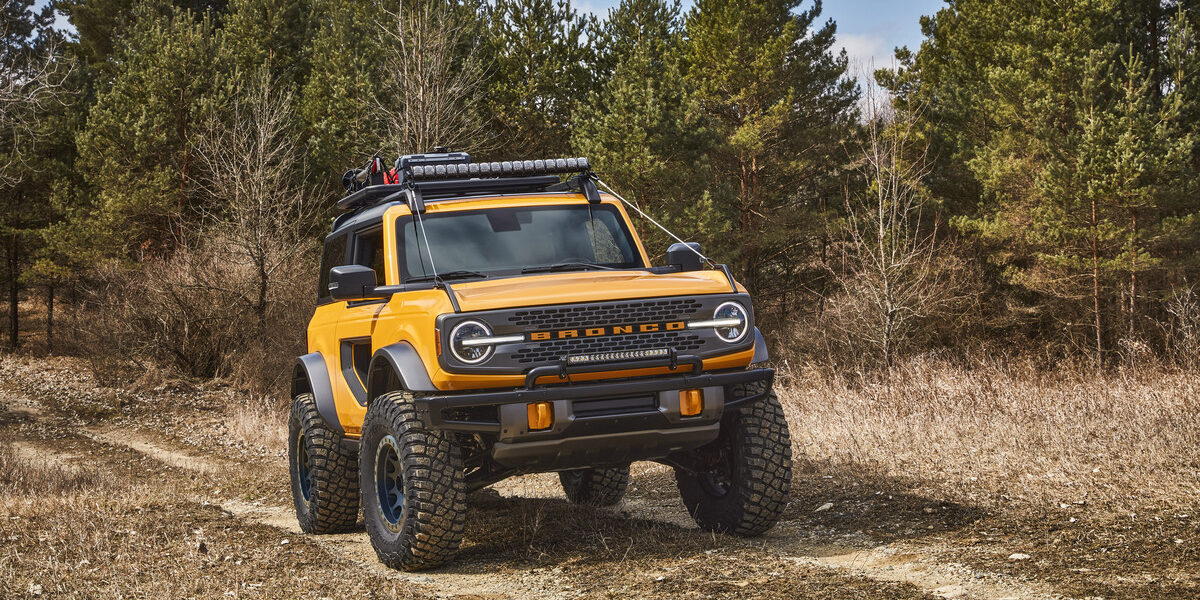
[1022,185]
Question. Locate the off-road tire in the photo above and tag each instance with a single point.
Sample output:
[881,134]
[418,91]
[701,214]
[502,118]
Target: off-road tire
[757,452]
[595,487]
[331,502]
[426,531]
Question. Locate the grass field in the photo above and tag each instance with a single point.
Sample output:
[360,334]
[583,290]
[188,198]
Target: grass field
[937,481]
[994,435]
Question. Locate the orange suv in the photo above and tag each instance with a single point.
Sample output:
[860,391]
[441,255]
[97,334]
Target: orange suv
[478,321]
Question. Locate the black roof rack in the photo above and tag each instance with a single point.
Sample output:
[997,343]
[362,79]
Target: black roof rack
[417,177]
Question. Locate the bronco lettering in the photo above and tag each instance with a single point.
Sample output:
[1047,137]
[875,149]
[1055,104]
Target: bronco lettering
[538,336]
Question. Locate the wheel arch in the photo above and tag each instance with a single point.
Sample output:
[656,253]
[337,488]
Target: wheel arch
[761,354]
[397,366]
[310,375]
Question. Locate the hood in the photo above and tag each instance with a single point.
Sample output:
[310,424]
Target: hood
[584,286]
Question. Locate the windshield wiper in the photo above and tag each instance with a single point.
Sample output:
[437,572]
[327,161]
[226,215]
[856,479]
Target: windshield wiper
[565,266]
[448,275]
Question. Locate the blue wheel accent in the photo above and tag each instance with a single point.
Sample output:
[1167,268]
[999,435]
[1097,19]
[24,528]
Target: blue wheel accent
[303,466]
[389,480]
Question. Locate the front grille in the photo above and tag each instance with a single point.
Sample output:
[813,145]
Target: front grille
[556,349]
[614,406]
[521,356]
[570,317]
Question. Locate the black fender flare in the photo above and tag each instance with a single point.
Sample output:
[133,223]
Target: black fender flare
[394,365]
[310,375]
[761,354]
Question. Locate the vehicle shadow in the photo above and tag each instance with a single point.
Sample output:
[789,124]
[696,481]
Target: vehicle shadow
[865,508]
[828,512]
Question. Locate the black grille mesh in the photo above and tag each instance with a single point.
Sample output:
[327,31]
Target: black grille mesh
[556,349]
[644,311]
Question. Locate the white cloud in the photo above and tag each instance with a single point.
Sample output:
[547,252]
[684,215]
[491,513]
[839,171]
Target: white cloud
[867,51]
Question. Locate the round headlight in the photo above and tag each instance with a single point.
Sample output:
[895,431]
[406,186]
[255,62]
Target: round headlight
[464,331]
[731,311]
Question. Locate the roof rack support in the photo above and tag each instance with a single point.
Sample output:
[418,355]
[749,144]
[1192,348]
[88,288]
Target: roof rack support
[451,174]
[416,202]
[583,182]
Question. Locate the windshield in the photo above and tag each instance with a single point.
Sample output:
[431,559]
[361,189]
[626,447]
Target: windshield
[505,241]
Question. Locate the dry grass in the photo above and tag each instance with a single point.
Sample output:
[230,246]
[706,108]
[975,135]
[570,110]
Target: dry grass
[998,434]
[21,474]
[258,421]
[101,521]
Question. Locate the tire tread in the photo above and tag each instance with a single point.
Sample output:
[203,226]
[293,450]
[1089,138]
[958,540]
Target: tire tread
[333,505]
[436,497]
[596,486]
[766,454]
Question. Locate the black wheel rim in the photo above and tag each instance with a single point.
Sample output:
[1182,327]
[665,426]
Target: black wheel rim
[303,464]
[718,480]
[389,480]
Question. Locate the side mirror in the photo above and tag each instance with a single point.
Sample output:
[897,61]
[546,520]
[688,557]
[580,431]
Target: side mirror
[351,282]
[684,257]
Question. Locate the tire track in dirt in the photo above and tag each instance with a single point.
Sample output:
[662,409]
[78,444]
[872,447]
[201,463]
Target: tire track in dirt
[144,445]
[355,546]
[895,562]
[909,564]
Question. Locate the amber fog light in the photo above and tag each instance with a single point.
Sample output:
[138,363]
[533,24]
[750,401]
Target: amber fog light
[541,415]
[691,402]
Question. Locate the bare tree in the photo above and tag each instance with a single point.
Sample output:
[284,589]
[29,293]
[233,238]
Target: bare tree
[30,77]
[262,208]
[432,81]
[888,274]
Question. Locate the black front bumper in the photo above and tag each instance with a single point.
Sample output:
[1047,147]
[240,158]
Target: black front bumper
[608,422]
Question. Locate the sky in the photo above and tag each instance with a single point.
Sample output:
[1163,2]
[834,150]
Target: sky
[867,29]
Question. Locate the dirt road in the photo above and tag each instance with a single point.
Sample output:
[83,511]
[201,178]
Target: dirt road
[116,494]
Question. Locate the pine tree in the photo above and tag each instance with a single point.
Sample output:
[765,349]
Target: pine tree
[653,24]
[336,100]
[101,25]
[777,98]
[1070,122]
[33,119]
[540,73]
[638,128]
[135,148]
[270,33]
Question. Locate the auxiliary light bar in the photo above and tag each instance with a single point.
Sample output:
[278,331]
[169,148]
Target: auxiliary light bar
[553,166]
[619,355]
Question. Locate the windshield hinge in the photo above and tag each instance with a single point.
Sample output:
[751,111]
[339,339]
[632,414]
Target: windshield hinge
[449,293]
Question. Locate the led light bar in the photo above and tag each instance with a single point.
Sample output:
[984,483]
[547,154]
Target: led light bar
[553,166]
[731,322]
[617,356]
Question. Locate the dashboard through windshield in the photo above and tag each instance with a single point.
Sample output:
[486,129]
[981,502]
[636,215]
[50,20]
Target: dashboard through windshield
[510,241]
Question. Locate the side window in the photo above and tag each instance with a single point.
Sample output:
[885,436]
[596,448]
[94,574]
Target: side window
[368,251]
[333,256]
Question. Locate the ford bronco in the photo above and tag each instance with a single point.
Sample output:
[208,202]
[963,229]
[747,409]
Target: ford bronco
[478,321]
